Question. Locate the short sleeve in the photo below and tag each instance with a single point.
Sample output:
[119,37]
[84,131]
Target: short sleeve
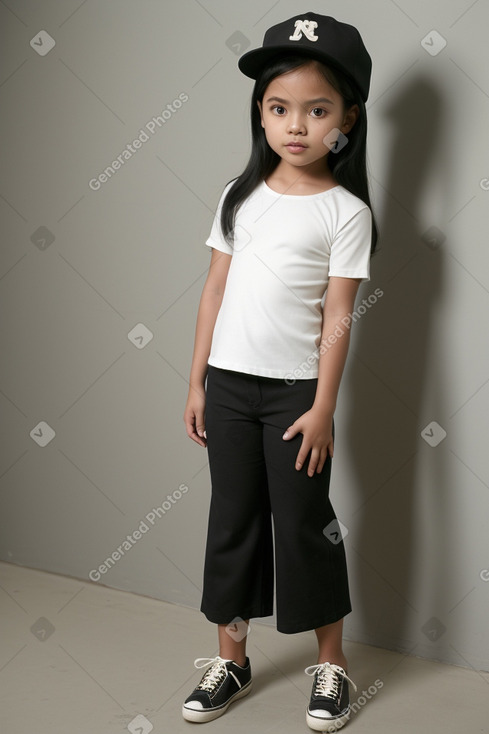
[216,238]
[350,249]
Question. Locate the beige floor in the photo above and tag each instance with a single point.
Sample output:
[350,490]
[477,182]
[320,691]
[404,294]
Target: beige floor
[76,658]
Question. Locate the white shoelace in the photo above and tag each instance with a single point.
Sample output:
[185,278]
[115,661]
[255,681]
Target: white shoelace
[214,675]
[327,680]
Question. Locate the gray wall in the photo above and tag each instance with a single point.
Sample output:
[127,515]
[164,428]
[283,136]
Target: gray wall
[88,274]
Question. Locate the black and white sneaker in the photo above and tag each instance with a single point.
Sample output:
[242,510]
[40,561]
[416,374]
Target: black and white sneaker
[223,682]
[329,707]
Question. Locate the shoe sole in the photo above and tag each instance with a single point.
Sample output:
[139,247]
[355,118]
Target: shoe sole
[204,715]
[317,723]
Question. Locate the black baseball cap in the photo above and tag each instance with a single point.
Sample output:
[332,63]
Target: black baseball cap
[317,37]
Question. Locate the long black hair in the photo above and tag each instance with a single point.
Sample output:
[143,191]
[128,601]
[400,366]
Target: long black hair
[348,166]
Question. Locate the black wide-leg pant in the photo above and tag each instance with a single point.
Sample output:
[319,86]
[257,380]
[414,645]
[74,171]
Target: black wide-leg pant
[253,480]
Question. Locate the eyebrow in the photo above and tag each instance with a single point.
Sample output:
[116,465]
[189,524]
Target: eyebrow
[310,101]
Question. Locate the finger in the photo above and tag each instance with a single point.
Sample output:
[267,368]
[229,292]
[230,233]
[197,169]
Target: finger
[198,421]
[192,433]
[290,432]
[200,430]
[200,427]
[302,455]
[331,448]
[313,462]
[322,460]
[201,441]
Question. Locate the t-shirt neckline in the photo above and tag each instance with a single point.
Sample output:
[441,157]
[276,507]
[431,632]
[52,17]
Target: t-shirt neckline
[299,196]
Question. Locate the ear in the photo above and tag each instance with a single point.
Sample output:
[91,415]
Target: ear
[350,118]
[261,111]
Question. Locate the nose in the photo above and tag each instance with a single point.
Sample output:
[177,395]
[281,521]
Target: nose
[296,124]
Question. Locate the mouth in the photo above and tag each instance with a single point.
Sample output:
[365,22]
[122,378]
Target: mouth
[295,146]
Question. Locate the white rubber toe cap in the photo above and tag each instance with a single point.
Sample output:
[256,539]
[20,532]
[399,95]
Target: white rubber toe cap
[194,705]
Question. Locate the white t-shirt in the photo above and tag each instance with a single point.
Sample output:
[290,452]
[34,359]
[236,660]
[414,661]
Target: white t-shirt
[285,248]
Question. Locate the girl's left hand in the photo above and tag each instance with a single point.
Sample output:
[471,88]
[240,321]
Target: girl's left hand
[317,429]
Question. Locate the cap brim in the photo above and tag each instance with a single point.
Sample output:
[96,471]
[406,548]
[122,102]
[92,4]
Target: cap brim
[252,62]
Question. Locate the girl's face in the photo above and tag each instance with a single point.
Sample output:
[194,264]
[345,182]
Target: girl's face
[301,114]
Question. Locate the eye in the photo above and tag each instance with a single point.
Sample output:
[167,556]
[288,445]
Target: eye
[278,109]
[318,112]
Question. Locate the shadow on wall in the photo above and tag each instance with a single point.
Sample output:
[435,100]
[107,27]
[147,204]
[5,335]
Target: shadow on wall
[389,404]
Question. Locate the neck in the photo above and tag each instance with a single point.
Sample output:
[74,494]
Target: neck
[316,173]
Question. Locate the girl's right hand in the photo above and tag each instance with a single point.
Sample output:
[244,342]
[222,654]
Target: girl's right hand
[194,416]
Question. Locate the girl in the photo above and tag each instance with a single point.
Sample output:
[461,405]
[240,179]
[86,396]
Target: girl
[291,242]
